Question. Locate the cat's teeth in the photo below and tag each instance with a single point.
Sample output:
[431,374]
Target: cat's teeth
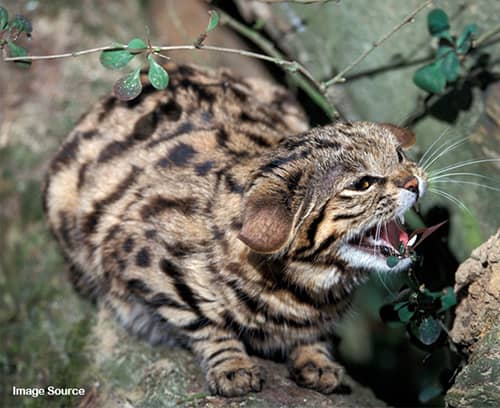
[411,241]
[402,219]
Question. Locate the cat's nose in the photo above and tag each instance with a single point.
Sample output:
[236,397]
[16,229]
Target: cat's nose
[411,184]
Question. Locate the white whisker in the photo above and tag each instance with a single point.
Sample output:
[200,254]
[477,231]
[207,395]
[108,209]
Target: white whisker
[423,159]
[467,182]
[377,236]
[459,165]
[448,149]
[452,198]
[429,153]
[460,174]
[381,277]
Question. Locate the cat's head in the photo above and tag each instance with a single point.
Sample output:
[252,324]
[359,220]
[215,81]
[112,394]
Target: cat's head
[335,195]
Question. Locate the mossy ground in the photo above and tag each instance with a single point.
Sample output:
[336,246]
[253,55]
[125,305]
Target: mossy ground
[43,324]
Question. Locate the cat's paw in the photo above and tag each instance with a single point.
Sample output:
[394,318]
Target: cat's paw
[316,370]
[234,377]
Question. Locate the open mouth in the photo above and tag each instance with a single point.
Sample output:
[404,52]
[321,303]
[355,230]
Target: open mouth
[389,239]
[391,242]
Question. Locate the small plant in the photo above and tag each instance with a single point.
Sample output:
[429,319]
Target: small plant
[416,306]
[450,55]
[420,310]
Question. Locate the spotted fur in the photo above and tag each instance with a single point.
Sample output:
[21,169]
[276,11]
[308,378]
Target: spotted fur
[210,216]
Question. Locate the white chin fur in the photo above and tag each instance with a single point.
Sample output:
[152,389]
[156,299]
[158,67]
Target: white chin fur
[422,187]
[359,259]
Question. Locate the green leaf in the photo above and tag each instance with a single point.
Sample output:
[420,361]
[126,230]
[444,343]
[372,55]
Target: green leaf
[392,261]
[4,18]
[214,20]
[437,21]
[464,41]
[430,392]
[21,24]
[115,59]
[430,78]
[445,34]
[431,295]
[428,331]
[443,51]
[157,75]
[136,45]
[17,51]
[128,87]
[450,67]
[405,314]
[448,299]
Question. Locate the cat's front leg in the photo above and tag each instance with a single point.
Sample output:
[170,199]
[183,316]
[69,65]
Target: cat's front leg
[311,366]
[229,370]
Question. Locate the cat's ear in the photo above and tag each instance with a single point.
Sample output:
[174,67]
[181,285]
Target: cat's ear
[267,222]
[405,136]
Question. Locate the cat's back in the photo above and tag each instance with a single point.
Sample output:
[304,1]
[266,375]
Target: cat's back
[188,148]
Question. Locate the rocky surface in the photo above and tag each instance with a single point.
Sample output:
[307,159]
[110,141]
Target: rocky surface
[477,328]
[126,370]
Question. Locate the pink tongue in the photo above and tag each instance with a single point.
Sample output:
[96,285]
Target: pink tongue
[394,235]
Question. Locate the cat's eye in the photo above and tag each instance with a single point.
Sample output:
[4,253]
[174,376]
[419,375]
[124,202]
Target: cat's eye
[363,183]
[401,155]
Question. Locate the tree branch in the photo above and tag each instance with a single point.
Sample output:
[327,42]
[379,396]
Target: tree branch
[486,36]
[408,19]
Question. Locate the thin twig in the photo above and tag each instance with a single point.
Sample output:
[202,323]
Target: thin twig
[408,19]
[290,65]
[156,48]
[67,54]
[486,36]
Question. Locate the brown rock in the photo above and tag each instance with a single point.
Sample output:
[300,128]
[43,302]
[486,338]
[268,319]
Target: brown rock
[477,328]
[478,286]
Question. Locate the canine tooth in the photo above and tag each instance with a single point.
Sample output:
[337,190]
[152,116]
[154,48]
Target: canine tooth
[402,219]
[411,241]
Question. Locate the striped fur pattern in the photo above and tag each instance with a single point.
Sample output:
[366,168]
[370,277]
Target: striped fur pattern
[209,216]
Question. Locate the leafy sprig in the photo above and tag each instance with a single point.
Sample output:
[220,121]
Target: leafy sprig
[450,55]
[421,310]
[10,32]
[130,86]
